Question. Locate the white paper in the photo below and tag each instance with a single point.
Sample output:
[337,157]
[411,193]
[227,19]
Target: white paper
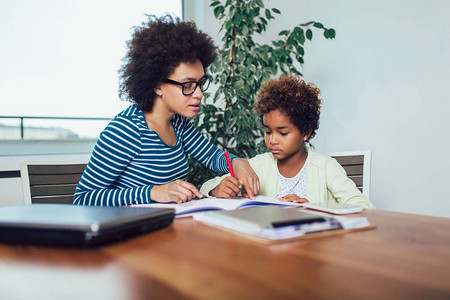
[204,204]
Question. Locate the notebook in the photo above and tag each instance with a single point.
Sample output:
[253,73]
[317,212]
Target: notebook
[269,222]
[334,208]
[192,207]
[84,226]
[265,217]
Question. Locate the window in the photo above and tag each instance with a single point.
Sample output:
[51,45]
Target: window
[61,57]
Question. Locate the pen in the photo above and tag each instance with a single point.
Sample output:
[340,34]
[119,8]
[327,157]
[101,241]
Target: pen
[229,164]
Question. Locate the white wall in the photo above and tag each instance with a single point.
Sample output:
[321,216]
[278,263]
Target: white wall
[383,83]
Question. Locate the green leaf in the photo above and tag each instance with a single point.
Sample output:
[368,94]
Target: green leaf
[244,30]
[242,7]
[301,38]
[239,84]
[227,114]
[309,34]
[260,3]
[231,122]
[307,24]
[268,15]
[278,43]
[298,30]
[295,71]
[237,20]
[284,32]
[318,25]
[215,3]
[260,28]
[276,11]
[255,12]
[228,25]
[332,33]
[299,35]
[218,11]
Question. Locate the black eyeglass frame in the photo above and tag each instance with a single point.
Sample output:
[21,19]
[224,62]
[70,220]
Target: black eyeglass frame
[201,83]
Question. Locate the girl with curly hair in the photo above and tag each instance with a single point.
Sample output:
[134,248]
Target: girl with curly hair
[140,157]
[290,110]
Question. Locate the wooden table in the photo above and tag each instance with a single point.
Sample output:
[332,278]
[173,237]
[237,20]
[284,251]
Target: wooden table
[406,257]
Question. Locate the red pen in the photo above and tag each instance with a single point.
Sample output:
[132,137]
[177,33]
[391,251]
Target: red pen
[229,164]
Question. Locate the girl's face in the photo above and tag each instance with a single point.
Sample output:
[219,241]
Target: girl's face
[282,138]
[172,94]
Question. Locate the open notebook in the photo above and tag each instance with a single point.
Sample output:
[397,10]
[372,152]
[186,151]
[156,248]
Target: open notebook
[206,204]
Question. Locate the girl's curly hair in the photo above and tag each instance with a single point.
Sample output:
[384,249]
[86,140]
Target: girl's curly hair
[297,99]
[156,48]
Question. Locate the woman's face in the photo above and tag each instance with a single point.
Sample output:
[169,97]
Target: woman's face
[282,138]
[172,95]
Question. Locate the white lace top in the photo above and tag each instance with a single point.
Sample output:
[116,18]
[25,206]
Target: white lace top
[294,185]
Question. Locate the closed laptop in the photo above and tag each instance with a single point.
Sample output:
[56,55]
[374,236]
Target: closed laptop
[85,226]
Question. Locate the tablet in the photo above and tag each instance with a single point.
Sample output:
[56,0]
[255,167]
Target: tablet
[334,208]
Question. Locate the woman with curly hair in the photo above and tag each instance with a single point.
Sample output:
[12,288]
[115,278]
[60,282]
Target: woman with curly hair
[290,110]
[140,157]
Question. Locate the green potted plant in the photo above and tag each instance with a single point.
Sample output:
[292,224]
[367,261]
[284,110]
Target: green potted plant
[243,64]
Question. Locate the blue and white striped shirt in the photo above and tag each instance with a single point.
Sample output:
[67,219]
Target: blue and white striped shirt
[129,159]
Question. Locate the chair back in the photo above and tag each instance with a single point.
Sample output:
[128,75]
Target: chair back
[51,182]
[357,166]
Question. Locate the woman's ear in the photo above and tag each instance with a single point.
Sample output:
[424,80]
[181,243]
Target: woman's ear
[158,91]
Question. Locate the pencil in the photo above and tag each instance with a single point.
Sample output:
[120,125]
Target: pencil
[229,164]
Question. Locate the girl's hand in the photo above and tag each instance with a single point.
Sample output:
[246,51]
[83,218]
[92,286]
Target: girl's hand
[293,198]
[177,191]
[246,176]
[227,188]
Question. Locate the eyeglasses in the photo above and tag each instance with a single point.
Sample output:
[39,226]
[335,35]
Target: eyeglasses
[189,87]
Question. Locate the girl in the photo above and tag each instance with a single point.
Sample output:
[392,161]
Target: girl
[290,111]
[140,157]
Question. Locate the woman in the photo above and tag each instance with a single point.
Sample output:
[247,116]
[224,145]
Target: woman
[140,157]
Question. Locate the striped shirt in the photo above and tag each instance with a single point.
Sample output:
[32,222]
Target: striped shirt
[129,159]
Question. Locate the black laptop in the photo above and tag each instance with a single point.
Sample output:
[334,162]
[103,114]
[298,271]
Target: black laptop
[83,226]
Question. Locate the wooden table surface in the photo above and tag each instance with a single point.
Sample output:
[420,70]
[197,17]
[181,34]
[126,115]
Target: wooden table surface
[406,257]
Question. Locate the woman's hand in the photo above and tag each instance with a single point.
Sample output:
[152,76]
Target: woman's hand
[177,191]
[246,176]
[293,198]
[227,188]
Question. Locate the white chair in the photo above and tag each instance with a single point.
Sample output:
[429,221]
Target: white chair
[357,166]
[51,181]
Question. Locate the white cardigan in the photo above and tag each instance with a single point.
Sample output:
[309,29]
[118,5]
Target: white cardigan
[326,180]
